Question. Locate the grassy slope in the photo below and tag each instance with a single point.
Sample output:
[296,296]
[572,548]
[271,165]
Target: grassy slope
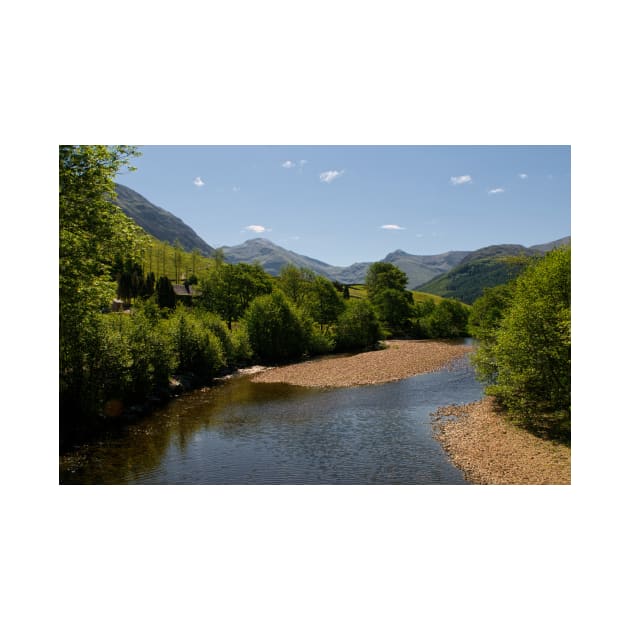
[467,281]
[359,291]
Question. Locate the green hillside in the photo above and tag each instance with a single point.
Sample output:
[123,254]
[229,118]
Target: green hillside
[486,268]
[159,223]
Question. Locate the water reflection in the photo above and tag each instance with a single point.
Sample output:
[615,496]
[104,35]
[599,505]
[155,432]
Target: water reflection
[241,432]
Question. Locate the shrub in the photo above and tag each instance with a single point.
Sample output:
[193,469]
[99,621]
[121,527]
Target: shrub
[274,328]
[530,350]
[241,348]
[197,349]
[358,327]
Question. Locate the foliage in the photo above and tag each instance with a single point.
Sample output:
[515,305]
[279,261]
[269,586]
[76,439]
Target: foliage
[467,281]
[525,349]
[165,293]
[393,308]
[295,283]
[242,352]
[439,319]
[93,232]
[228,289]
[383,275]
[385,285]
[322,302]
[197,349]
[358,327]
[275,329]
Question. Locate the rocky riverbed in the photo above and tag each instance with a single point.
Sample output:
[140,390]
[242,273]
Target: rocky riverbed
[490,450]
[398,360]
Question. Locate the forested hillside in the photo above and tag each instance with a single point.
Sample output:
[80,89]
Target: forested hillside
[484,268]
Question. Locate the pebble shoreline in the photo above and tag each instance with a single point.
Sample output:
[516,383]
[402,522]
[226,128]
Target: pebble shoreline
[400,359]
[477,437]
[490,450]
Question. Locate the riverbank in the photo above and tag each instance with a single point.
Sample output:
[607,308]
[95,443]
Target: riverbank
[398,360]
[490,450]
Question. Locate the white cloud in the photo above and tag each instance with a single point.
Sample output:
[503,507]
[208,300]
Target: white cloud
[303,162]
[392,226]
[235,189]
[523,175]
[198,182]
[288,164]
[329,176]
[259,229]
[457,180]
[496,191]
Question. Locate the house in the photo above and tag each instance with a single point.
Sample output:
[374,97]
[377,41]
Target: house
[185,293]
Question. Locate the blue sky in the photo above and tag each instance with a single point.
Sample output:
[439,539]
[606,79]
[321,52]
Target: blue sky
[345,204]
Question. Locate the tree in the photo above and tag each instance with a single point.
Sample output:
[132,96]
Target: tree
[228,289]
[383,275]
[358,327]
[322,302]
[165,293]
[527,357]
[392,307]
[448,319]
[149,285]
[295,283]
[275,329]
[93,233]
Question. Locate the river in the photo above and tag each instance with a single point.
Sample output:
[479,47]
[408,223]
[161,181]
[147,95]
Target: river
[239,432]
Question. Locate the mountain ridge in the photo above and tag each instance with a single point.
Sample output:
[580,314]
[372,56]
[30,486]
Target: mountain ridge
[420,268]
[158,222]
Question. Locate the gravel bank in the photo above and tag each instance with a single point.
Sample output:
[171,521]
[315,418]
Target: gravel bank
[489,450]
[400,359]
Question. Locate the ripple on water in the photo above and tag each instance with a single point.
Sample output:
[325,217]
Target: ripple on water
[257,433]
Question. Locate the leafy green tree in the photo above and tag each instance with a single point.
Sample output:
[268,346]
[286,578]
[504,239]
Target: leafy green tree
[198,350]
[149,285]
[358,327]
[527,357]
[276,331]
[386,290]
[93,234]
[322,302]
[448,319]
[393,308]
[296,283]
[228,289]
[165,293]
[383,275]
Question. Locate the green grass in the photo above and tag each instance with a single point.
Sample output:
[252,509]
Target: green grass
[159,257]
[359,291]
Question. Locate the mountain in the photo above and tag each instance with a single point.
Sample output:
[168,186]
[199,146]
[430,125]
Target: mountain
[546,247]
[158,222]
[421,269]
[458,274]
[272,257]
[485,267]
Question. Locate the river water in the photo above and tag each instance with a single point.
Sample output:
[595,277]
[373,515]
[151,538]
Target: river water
[239,432]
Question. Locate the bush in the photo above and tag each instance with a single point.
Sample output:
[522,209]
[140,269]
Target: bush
[197,349]
[531,347]
[218,327]
[241,348]
[275,330]
[358,327]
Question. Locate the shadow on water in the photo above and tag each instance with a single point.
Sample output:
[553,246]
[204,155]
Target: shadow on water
[240,432]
